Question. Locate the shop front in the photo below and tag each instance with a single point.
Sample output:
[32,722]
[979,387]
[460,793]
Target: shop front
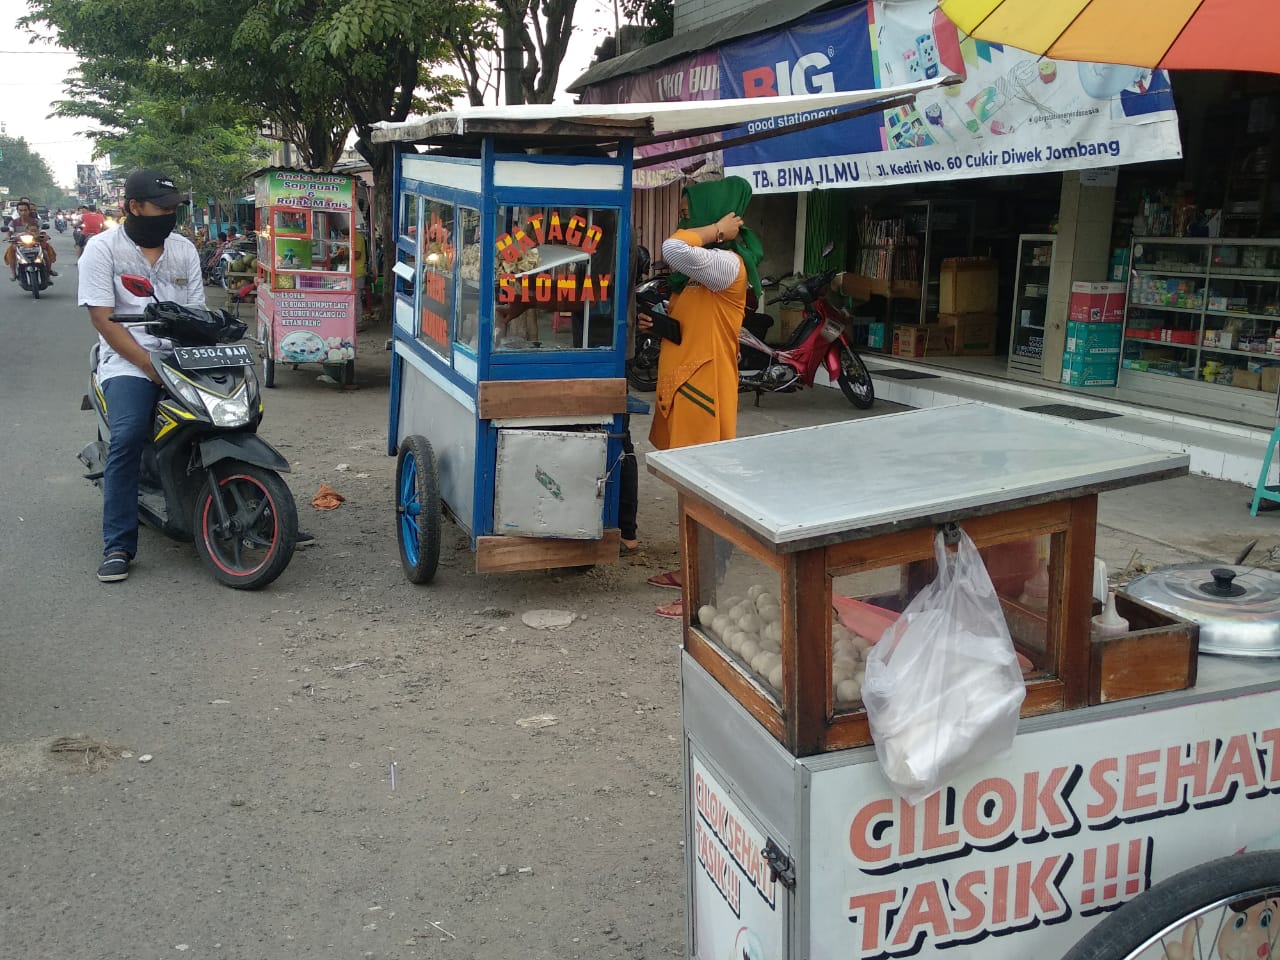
[969,220]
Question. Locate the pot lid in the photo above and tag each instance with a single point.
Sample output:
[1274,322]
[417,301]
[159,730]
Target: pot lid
[1238,608]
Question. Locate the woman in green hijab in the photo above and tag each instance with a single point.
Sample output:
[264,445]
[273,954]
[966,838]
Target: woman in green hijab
[714,259]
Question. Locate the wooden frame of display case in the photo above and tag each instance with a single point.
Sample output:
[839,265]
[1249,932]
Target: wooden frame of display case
[805,720]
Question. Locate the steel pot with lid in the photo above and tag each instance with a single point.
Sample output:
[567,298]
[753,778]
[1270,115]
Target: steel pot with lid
[1238,608]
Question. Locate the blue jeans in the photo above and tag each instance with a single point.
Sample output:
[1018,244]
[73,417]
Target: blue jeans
[131,403]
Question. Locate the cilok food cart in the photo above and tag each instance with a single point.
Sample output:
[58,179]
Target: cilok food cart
[306,302]
[1136,758]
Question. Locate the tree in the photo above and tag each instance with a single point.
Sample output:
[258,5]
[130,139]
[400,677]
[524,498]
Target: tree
[26,173]
[658,17]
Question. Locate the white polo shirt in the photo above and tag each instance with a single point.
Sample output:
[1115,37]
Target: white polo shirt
[110,255]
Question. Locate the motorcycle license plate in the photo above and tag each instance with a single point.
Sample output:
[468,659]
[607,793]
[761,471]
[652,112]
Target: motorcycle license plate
[204,358]
[831,330]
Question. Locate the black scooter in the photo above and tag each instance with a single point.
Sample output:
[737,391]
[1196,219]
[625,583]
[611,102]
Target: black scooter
[28,257]
[206,475]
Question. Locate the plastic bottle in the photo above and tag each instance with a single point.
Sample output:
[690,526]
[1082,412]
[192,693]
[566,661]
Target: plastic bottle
[1035,591]
[1109,623]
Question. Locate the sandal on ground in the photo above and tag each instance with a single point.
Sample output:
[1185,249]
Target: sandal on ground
[628,550]
[670,579]
[673,610]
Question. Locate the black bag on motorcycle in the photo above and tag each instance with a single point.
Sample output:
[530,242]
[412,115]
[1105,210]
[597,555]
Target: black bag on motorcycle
[195,326]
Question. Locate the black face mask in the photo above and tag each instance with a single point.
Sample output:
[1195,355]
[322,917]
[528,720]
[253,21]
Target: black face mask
[149,232]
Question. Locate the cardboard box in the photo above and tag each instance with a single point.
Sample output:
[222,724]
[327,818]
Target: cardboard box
[1093,338]
[1246,379]
[970,334]
[1087,370]
[968,285]
[789,319]
[920,341]
[1096,302]
[1270,382]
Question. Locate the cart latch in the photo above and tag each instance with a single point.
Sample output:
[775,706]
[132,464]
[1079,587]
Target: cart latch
[781,867]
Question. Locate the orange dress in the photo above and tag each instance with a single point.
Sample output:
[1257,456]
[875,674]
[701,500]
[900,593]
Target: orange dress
[697,400]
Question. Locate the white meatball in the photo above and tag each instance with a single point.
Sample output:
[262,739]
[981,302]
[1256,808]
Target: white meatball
[773,631]
[706,613]
[849,691]
[748,649]
[840,673]
[751,623]
[771,615]
[839,632]
[766,599]
[720,624]
[731,603]
[754,591]
[761,663]
[861,642]
[775,677]
[733,639]
[770,644]
[844,646]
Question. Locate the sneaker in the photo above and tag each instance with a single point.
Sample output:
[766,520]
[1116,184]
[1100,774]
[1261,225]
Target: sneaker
[53,273]
[114,567]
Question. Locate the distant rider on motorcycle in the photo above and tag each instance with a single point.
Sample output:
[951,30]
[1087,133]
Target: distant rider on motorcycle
[146,245]
[26,221]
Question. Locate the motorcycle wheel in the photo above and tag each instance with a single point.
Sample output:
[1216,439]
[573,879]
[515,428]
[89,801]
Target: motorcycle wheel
[264,520]
[268,369]
[642,371]
[418,509]
[855,380]
[35,287]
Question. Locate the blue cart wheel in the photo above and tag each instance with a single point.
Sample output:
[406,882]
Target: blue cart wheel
[418,509]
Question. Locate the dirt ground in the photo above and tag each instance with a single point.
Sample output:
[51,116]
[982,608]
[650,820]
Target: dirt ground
[354,766]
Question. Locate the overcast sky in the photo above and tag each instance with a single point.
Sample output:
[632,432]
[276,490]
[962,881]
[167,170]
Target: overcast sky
[33,78]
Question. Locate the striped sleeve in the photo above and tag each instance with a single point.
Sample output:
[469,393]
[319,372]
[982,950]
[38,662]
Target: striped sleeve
[714,269]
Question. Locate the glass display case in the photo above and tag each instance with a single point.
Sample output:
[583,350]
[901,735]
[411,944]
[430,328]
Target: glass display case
[1030,302]
[1205,310]
[786,595]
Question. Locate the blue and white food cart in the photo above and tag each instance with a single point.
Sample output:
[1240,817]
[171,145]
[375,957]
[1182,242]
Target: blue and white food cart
[508,384]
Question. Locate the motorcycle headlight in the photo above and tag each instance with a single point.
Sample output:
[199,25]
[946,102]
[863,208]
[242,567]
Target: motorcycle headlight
[27,238]
[184,389]
[233,412]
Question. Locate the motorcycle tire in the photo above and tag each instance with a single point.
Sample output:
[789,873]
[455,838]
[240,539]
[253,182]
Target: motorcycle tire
[855,379]
[268,368]
[418,509]
[262,507]
[642,370]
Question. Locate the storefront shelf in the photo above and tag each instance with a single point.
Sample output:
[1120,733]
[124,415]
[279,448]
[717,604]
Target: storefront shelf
[1196,311]
[1226,274]
[1158,271]
[1273,318]
[1163,343]
[1241,353]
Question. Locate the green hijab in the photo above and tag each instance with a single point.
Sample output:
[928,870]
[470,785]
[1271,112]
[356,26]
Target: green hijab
[710,201]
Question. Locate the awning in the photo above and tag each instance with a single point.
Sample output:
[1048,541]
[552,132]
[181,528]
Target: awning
[643,121]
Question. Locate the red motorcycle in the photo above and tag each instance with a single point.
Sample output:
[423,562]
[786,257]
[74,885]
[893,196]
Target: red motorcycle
[820,340]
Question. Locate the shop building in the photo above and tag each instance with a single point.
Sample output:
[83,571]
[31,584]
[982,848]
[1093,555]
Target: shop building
[969,221]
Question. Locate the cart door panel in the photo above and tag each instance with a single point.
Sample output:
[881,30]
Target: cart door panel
[431,411]
[550,483]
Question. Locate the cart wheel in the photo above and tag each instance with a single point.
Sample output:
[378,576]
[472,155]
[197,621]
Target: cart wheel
[418,509]
[1226,893]
[348,377]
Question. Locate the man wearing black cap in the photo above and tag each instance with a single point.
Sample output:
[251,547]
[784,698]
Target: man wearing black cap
[144,245]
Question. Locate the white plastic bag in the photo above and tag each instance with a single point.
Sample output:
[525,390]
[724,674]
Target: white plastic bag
[943,686]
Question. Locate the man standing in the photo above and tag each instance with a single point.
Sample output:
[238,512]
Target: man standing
[144,245]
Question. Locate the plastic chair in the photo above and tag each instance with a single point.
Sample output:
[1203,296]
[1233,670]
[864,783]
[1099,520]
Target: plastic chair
[1262,491]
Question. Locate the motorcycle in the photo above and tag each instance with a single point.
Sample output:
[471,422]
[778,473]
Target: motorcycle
[60,224]
[33,271]
[820,340]
[650,296]
[206,474]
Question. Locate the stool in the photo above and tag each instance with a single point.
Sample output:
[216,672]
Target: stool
[1262,491]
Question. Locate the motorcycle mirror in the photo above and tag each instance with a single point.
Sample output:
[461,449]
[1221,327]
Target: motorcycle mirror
[643,261]
[827,248]
[767,282]
[138,286]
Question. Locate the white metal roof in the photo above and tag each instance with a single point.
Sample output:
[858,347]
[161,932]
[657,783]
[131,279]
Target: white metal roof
[661,120]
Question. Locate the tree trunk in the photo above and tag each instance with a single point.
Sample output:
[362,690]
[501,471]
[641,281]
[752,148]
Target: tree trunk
[512,57]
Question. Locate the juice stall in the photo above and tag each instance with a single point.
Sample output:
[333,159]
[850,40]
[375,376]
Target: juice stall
[306,304]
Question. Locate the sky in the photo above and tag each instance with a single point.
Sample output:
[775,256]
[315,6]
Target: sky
[34,74]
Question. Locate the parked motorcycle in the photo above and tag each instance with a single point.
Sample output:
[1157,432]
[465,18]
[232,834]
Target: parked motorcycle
[651,296]
[820,340]
[28,252]
[206,474]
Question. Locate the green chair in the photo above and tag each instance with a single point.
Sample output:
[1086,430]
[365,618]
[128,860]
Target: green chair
[1262,491]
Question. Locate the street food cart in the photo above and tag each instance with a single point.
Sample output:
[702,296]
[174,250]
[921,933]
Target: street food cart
[508,388]
[1135,757]
[306,303]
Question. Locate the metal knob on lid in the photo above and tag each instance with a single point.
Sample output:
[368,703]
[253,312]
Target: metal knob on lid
[1237,607]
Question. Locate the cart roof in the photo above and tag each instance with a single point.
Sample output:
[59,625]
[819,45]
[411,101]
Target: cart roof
[614,121]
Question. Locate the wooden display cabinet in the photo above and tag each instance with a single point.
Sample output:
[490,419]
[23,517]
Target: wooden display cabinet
[848,573]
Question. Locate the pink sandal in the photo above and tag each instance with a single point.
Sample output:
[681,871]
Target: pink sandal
[670,579]
[673,610]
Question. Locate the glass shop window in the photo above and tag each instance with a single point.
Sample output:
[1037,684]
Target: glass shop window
[554,271]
